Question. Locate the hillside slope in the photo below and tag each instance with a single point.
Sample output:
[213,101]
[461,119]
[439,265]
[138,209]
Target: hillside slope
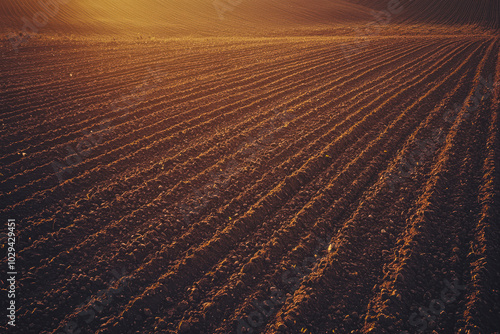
[186,17]
[218,17]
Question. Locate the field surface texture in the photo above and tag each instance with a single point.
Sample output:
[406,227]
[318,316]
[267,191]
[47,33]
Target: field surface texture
[200,167]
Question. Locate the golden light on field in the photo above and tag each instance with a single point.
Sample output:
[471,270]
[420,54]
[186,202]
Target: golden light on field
[198,17]
[168,18]
[250,166]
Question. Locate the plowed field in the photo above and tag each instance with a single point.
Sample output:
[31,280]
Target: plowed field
[266,184]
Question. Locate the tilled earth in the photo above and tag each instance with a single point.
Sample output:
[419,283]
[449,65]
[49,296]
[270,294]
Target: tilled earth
[254,185]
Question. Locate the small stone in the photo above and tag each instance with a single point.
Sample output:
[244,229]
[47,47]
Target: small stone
[161,324]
